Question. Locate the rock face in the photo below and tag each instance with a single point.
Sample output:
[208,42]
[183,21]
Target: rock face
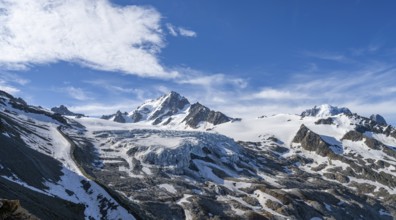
[379,119]
[63,110]
[325,111]
[199,113]
[12,209]
[312,142]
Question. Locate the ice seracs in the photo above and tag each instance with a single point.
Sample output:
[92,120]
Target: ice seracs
[325,110]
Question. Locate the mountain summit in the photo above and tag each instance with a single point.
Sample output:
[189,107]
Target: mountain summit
[325,110]
[171,109]
[63,110]
[161,108]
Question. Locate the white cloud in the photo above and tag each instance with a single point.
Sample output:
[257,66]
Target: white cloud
[328,56]
[77,93]
[269,93]
[172,30]
[198,78]
[176,31]
[187,33]
[94,33]
[10,82]
[8,88]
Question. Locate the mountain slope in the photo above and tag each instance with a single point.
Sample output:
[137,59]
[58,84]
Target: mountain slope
[36,165]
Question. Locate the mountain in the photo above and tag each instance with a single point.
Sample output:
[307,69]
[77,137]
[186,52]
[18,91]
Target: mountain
[336,166]
[63,110]
[325,111]
[174,110]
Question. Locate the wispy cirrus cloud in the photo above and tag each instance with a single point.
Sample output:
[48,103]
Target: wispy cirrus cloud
[330,56]
[11,83]
[77,93]
[208,80]
[4,86]
[176,31]
[96,34]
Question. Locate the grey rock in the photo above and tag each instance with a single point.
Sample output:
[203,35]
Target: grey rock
[378,118]
[327,121]
[312,142]
[199,113]
[118,117]
[353,136]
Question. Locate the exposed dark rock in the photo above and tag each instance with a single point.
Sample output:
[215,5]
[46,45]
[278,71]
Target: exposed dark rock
[336,176]
[327,121]
[118,117]
[353,136]
[199,113]
[312,142]
[378,118]
[12,209]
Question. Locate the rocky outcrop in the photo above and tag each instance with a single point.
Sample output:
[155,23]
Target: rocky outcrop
[12,209]
[379,119]
[199,113]
[312,142]
[117,117]
[327,121]
[353,136]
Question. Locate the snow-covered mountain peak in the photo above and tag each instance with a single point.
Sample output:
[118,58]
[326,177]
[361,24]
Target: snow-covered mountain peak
[166,105]
[325,110]
[63,110]
[172,110]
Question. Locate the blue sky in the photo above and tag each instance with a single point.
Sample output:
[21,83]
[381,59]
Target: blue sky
[239,57]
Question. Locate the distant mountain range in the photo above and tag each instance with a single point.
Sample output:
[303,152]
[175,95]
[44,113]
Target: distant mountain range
[169,159]
[171,109]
